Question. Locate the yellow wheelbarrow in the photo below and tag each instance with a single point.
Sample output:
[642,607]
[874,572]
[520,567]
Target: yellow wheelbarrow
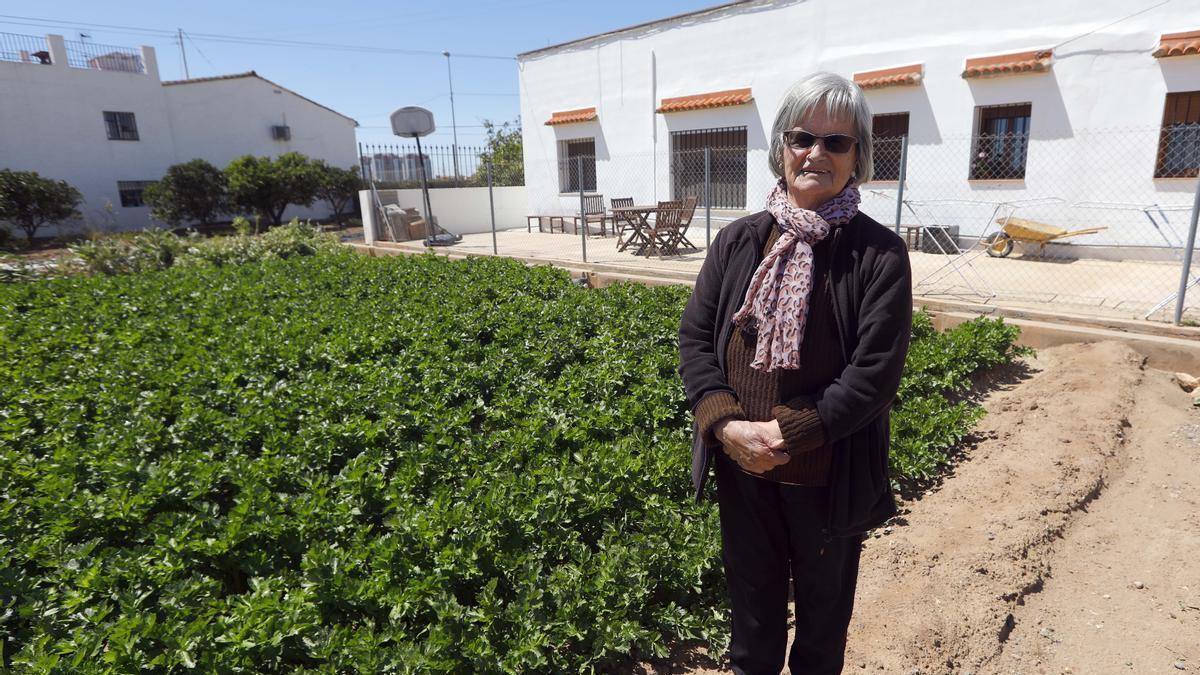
[1000,244]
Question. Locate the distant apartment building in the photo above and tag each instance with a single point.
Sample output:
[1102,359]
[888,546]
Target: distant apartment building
[390,167]
[100,118]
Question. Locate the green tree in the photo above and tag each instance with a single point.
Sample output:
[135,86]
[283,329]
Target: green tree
[194,191]
[268,186]
[337,186]
[30,201]
[504,151]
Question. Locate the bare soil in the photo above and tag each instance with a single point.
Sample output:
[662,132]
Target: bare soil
[1067,539]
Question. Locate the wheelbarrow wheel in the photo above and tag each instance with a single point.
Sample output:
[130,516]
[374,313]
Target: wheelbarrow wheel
[999,244]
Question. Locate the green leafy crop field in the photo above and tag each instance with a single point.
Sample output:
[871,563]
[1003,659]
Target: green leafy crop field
[345,464]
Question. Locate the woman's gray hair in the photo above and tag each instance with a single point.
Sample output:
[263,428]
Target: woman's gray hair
[841,98]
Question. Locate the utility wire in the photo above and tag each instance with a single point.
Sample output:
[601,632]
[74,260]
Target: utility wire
[1108,25]
[200,51]
[235,39]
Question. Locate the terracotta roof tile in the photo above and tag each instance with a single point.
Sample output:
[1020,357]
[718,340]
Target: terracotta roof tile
[713,99]
[572,116]
[890,77]
[1178,44]
[1035,61]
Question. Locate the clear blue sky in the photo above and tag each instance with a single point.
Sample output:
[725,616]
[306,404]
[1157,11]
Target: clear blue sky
[366,86]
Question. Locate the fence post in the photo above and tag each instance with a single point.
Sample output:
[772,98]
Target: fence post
[582,218]
[1185,276]
[903,174]
[707,197]
[492,206]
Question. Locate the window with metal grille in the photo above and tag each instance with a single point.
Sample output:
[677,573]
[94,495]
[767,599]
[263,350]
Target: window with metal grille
[570,152]
[726,165]
[131,192]
[1001,142]
[1179,141]
[887,139]
[121,126]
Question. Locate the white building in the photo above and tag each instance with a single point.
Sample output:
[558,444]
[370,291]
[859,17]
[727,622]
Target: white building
[101,119]
[1054,108]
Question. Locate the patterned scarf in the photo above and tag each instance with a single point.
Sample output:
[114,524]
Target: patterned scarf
[776,304]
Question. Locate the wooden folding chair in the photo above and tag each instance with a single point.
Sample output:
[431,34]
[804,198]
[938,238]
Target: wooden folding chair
[621,224]
[688,212]
[662,233]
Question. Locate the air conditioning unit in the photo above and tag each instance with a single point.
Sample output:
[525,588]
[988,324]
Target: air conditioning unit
[281,133]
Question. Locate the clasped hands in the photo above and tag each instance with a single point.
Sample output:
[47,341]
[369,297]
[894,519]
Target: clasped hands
[757,447]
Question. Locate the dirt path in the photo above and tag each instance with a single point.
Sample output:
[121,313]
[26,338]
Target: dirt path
[1084,484]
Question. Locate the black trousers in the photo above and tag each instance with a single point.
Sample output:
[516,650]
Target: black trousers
[770,531]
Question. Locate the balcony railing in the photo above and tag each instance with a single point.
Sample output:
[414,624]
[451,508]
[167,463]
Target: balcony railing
[24,49]
[104,57]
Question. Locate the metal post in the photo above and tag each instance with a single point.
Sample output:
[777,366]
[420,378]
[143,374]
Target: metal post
[453,121]
[707,197]
[582,217]
[1185,276]
[492,206]
[425,190]
[903,173]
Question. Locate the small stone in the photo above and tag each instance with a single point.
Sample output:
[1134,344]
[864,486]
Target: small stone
[887,530]
[1187,382]
[1180,665]
[1046,632]
[1196,401]
[1138,585]
[1129,664]
[1106,596]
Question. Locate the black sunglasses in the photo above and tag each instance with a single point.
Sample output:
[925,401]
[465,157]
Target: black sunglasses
[797,139]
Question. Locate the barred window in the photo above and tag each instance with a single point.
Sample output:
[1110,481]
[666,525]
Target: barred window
[1179,141]
[121,126]
[570,179]
[1001,143]
[887,138]
[727,165]
[131,192]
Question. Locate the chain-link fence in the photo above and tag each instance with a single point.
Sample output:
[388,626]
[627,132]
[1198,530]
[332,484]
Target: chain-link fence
[1091,222]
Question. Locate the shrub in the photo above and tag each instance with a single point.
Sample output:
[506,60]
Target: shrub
[126,253]
[194,191]
[30,201]
[268,186]
[337,187]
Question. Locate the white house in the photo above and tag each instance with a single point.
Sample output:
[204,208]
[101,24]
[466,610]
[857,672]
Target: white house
[101,119]
[1080,113]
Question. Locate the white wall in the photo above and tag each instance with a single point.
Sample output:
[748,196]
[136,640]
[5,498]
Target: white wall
[51,121]
[459,210]
[1103,80]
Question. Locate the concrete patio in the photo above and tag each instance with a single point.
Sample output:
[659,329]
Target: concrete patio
[1083,287]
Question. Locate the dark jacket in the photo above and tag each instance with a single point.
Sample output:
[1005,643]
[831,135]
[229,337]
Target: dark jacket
[871,282]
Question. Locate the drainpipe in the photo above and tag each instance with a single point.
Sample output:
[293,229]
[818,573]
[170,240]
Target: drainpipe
[654,124]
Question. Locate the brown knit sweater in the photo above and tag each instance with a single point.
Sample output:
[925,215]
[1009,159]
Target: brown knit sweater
[784,395]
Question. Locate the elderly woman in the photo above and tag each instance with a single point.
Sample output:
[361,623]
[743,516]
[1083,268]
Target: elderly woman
[791,349]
